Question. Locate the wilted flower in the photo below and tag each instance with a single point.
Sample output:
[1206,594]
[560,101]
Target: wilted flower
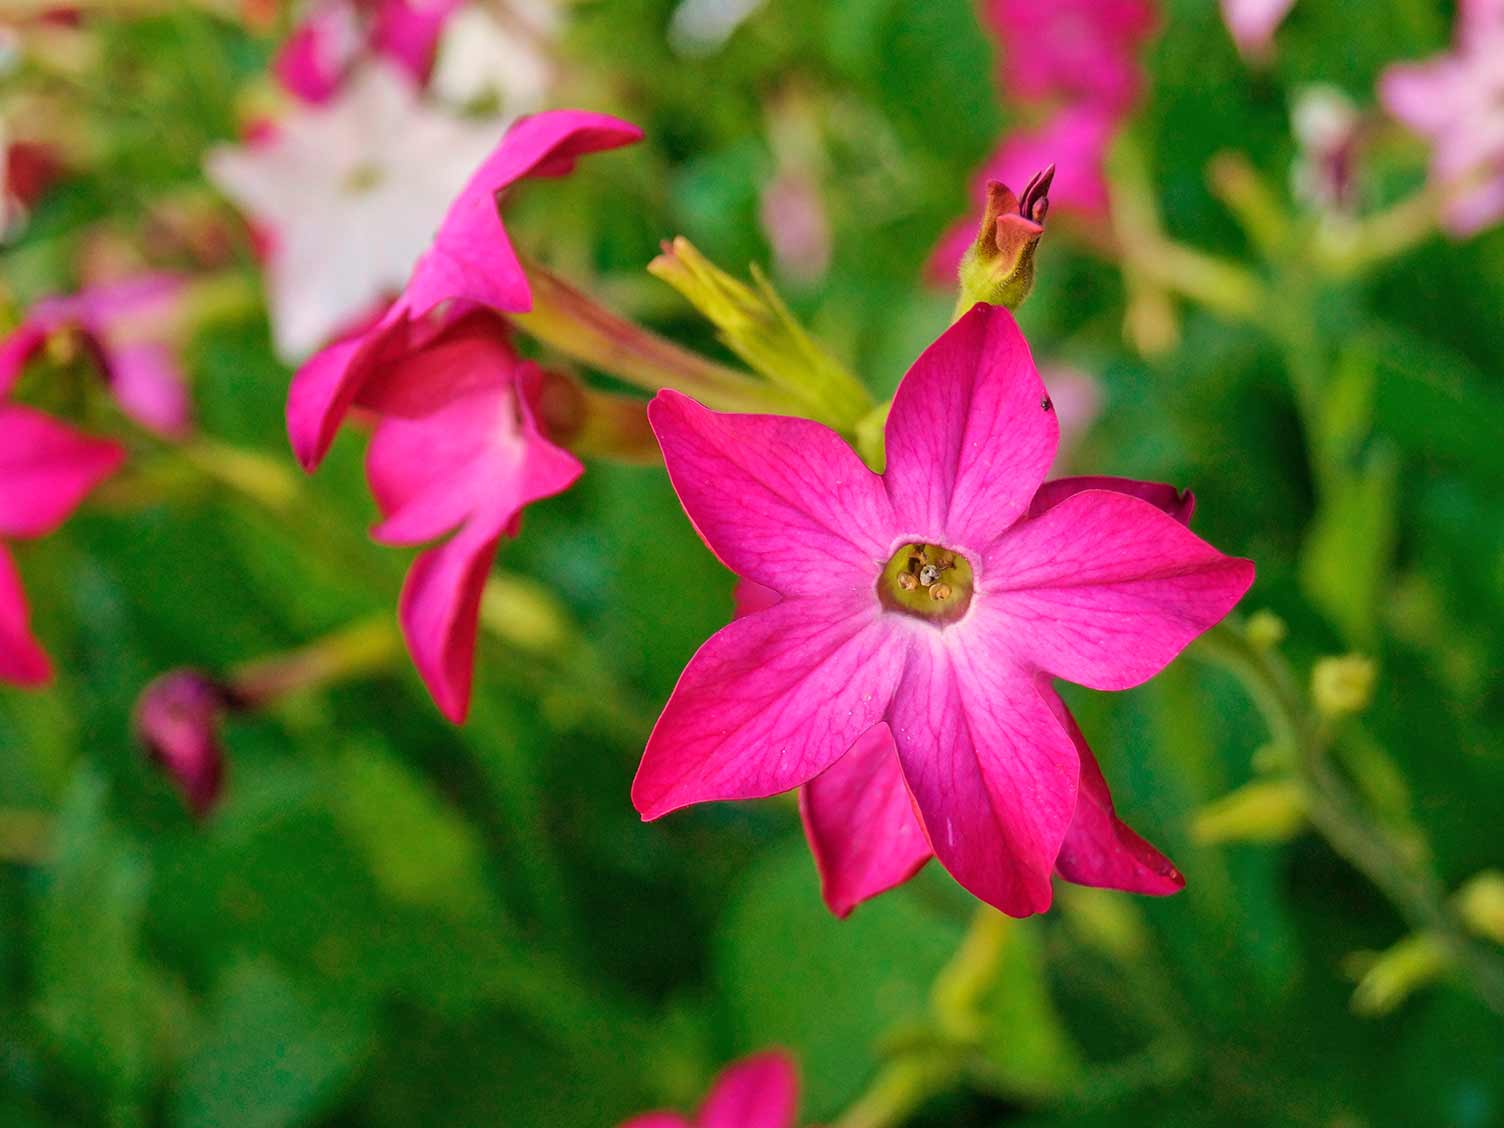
[1457,101]
[761,1091]
[347,194]
[1071,50]
[937,599]
[46,469]
[1253,23]
[177,718]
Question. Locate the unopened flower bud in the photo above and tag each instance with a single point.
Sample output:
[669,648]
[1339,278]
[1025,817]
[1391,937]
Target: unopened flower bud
[1343,686]
[1480,903]
[999,267]
[177,719]
[1271,810]
[1265,630]
[1388,978]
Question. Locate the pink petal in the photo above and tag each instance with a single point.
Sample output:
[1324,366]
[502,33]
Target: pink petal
[323,389]
[969,437]
[316,55]
[471,257]
[22,659]
[757,1092]
[861,825]
[46,469]
[148,384]
[1104,589]
[1099,848]
[17,349]
[769,702]
[1179,504]
[440,612]
[407,32]
[1253,23]
[992,773]
[748,597]
[784,502]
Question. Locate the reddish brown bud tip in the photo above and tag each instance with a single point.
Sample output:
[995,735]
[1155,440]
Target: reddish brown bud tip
[177,719]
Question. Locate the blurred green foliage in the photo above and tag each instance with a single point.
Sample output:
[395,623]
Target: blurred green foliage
[393,922]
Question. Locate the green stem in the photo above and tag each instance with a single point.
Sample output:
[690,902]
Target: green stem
[1335,810]
[368,646]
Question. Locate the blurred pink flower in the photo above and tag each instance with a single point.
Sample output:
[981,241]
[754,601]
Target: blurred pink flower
[457,453]
[936,600]
[177,718]
[348,194]
[1253,23]
[1071,50]
[336,35]
[130,327]
[46,470]
[1077,399]
[761,1091]
[1075,141]
[793,219]
[469,260]
[1457,102]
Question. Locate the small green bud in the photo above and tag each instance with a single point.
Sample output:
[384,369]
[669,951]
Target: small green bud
[1343,686]
[1271,810]
[1386,979]
[999,266]
[1265,630]
[1480,903]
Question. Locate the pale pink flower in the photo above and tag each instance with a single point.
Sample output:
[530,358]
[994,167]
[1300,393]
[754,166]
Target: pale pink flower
[46,470]
[337,35]
[937,600]
[1071,50]
[1075,141]
[131,328]
[470,260]
[1252,24]
[348,195]
[1457,102]
[761,1091]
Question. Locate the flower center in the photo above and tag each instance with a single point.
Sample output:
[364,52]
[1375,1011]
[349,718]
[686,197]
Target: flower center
[364,178]
[928,581]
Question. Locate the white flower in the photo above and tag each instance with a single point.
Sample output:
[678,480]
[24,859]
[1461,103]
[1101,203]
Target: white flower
[498,57]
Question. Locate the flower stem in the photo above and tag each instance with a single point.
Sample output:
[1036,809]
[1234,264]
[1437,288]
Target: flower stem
[1335,809]
[364,647]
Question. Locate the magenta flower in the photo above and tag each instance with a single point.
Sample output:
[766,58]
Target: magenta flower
[761,1091]
[1457,102]
[458,453]
[177,718]
[46,469]
[1071,50]
[130,328]
[336,35]
[470,260]
[1252,24]
[936,599]
[1075,141]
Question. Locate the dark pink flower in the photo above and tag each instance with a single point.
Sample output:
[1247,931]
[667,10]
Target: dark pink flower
[177,718]
[470,260]
[338,34]
[1071,50]
[1457,102]
[761,1091]
[457,454]
[937,599]
[130,327]
[1075,141]
[1253,23]
[46,469]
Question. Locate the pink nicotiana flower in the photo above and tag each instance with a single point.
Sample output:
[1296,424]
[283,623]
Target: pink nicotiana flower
[177,718]
[761,1091]
[337,35]
[470,260]
[1075,141]
[935,602]
[1071,50]
[327,179]
[1252,24]
[46,470]
[456,457]
[1457,102]
[130,328]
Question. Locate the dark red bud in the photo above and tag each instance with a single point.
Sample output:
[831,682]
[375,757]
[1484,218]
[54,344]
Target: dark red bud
[177,718]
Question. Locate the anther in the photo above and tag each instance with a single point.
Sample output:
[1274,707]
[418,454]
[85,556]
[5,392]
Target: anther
[928,574]
[907,581]
[940,591]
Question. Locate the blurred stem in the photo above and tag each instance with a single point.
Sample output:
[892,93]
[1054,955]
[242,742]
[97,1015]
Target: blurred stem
[1348,250]
[1335,809]
[368,646]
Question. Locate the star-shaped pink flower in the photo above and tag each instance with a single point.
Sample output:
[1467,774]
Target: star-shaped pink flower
[761,1091]
[1075,50]
[1457,101]
[469,261]
[457,454]
[937,599]
[46,469]
[129,326]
